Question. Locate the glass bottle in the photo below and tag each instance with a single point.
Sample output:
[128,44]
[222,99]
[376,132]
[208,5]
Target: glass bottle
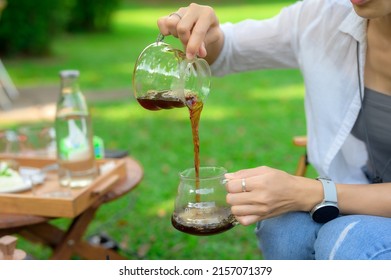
[75,151]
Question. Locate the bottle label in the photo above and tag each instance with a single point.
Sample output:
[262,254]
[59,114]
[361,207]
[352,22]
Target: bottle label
[75,145]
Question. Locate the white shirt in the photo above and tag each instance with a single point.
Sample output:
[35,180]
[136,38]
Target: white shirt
[320,38]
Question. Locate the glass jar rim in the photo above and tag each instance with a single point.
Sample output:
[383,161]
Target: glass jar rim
[189,174]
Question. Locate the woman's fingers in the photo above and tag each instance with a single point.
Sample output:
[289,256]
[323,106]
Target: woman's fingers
[239,185]
[168,24]
[245,173]
[246,210]
[196,26]
[202,21]
[248,220]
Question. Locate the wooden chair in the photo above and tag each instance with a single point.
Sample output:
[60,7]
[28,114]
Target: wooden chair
[8,91]
[302,165]
[8,249]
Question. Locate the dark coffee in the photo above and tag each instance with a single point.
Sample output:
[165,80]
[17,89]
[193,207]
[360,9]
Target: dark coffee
[199,223]
[195,109]
[155,100]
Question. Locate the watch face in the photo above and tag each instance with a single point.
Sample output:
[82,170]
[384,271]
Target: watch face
[325,213]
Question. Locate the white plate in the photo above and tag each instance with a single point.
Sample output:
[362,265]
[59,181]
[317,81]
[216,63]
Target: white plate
[16,188]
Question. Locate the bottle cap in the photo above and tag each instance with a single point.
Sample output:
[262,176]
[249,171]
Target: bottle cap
[69,73]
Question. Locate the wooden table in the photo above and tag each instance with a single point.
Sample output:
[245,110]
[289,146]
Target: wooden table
[70,242]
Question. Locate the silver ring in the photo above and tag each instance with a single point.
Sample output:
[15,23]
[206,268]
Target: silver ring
[244,185]
[180,17]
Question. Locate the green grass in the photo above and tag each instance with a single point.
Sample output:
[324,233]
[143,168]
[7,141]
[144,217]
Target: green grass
[248,120]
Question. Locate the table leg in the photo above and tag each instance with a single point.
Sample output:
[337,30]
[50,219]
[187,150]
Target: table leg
[66,244]
[44,233]
[92,252]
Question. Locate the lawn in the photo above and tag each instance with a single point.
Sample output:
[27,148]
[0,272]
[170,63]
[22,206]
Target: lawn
[248,120]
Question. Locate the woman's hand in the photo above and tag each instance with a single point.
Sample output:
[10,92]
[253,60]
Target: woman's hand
[198,29]
[263,192]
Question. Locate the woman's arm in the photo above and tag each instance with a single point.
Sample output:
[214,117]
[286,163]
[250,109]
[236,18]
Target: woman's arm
[373,199]
[271,192]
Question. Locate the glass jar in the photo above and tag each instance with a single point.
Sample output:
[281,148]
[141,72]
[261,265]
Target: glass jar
[200,205]
[163,78]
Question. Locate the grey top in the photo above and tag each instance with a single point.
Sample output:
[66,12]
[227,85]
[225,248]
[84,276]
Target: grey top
[373,126]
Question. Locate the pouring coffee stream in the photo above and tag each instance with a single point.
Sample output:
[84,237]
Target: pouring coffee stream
[163,78]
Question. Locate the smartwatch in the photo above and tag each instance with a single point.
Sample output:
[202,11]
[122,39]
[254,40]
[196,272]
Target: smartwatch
[328,208]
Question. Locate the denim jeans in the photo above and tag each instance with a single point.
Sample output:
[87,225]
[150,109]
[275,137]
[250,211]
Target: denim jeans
[295,236]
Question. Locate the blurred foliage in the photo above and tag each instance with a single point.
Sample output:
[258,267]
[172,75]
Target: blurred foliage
[92,15]
[28,27]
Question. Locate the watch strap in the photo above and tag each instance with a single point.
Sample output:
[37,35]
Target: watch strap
[329,190]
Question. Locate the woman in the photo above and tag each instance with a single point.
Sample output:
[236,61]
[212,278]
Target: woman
[343,50]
